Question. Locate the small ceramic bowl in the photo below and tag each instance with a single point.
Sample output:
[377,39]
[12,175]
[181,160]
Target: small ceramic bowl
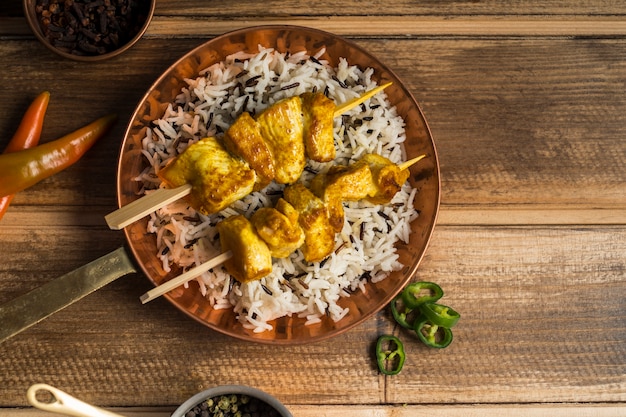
[229,390]
[88,30]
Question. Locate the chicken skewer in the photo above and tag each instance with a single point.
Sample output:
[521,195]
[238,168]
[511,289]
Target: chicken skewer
[258,169]
[245,242]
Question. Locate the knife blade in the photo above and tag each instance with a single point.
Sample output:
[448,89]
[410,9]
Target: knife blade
[40,303]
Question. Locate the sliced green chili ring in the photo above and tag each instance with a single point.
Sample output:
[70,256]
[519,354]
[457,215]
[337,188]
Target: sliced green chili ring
[439,314]
[390,355]
[431,334]
[402,314]
[412,299]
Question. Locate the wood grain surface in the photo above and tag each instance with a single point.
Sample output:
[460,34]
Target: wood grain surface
[526,102]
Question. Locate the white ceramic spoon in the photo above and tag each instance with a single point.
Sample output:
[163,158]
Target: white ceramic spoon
[64,403]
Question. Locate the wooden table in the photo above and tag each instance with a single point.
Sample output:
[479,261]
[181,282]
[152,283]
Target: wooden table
[526,101]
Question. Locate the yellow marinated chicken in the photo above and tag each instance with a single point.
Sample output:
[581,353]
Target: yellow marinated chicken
[373,178]
[388,178]
[318,114]
[244,139]
[343,183]
[251,258]
[281,127]
[279,228]
[319,234]
[217,178]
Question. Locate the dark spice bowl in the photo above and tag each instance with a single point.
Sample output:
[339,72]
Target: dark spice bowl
[89,30]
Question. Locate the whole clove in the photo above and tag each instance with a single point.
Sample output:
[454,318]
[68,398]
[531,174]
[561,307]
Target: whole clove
[91,27]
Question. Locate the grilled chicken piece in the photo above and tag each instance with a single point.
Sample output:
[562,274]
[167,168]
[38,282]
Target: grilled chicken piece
[388,178]
[280,126]
[318,114]
[244,139]
[374,178]
[251,258]
[279,228]
[343,183]
[217,178]
[319,234]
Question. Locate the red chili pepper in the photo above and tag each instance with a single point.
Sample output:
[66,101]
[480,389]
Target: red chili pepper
[27,135]
[20,170]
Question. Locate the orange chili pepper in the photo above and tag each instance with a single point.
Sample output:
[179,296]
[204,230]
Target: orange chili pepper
[27,135]
[23,169]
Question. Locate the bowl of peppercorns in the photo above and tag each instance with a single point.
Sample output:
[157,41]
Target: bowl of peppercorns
[232,401]
[89,30]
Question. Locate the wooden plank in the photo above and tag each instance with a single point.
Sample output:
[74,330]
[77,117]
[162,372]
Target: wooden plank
[530,215]
[549,410]
[378,26]
[295,8]
[403,26]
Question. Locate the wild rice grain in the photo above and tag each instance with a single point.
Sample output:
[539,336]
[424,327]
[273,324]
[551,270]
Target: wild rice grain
[290,86]
[267,290]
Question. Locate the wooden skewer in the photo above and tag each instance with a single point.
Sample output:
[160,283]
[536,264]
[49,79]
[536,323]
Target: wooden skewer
[139,208]
[407,164]
[161,197]
[183,278]
[350,104]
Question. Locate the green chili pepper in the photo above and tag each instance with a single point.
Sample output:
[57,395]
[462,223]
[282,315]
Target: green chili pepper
[432,335]
[442,316]
[404,315]
[389,354]
[413,299]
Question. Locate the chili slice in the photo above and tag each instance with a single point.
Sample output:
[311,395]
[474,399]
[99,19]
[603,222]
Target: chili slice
[432,335]
[440,314]
[413,299]
[404,315]
[390,355]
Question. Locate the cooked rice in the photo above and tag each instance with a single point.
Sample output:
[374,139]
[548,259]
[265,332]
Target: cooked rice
[365,247]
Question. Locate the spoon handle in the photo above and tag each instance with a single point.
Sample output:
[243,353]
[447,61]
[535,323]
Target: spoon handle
[64,403]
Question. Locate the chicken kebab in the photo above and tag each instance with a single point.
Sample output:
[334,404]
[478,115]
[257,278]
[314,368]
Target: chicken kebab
[275,146]
[306,218]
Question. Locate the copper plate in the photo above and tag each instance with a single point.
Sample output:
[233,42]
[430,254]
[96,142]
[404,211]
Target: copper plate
[424,176]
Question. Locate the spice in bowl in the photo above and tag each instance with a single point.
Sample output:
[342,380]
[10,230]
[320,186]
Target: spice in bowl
[232,401]
[236,405]
[91,27]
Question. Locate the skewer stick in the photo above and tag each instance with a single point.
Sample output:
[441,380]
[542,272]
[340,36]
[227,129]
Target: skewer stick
[407,164]
[161,197]
[187,276]
[344,107]
[139,208]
